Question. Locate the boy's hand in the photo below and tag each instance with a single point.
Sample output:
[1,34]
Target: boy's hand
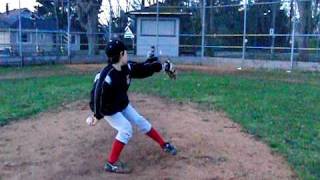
[91,120]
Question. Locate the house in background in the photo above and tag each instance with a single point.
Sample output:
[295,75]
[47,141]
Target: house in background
[146,30]
[38,35]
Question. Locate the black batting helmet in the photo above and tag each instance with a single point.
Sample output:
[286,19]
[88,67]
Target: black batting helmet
[113,50]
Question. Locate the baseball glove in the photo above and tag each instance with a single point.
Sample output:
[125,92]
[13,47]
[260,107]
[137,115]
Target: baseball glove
[170,70]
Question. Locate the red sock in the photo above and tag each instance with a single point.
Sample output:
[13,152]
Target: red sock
[117,147]
[156,137]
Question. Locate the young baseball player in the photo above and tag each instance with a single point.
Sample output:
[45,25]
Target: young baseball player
[109,101]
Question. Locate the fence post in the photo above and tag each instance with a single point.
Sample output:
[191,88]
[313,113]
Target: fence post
[110,22]
[292,38]
[157,35]
[244,41]
[203,27]
[69,35]
[37,41]
[20,35]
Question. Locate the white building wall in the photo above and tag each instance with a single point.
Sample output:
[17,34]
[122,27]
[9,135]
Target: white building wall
[76,45]
[4,39]
[168,35]
[45,41]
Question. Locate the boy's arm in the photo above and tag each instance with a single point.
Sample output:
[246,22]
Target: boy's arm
[97,95]
[102,84]
[145,69]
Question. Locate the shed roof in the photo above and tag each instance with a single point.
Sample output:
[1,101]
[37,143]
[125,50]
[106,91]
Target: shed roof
[163,11]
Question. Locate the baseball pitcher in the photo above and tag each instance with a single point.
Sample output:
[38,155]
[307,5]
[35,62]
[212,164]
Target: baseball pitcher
[109,101]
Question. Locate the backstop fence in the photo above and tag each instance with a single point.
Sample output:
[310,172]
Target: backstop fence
[272,30]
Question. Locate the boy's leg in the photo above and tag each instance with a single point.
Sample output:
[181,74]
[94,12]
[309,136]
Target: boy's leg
[124,128]
[144,125]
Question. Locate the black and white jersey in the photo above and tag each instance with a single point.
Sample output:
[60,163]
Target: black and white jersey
[109,92]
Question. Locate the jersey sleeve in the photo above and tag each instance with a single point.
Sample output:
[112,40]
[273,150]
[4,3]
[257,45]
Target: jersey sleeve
[101,86]
[145,69]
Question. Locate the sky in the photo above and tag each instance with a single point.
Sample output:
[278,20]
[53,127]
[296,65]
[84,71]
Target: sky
[14,4]
[103,17]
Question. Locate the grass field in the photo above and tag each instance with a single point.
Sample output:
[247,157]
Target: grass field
[30,69]
[281,109]
[24,97]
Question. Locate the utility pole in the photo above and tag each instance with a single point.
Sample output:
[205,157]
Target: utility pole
[244,41]
[292,34]
[292,43]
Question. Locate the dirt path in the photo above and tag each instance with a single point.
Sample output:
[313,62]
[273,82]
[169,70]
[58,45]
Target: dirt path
[81,69]
[59,145]
[46,71]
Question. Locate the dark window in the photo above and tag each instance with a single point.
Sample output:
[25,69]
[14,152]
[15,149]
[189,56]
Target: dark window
[25,37]
[42,36]
[73,39]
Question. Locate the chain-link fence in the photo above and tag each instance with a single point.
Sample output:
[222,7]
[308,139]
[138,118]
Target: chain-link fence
[272,30]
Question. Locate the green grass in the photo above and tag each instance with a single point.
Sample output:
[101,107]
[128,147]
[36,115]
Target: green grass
[30,69]
[285,115]
[25,97]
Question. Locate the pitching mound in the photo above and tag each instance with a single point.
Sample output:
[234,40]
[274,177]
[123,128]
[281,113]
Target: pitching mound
[59,145]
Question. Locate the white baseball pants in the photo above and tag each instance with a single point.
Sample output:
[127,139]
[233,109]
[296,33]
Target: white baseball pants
[121,121]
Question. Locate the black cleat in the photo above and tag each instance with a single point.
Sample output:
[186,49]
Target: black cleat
[117,167]
[169,148]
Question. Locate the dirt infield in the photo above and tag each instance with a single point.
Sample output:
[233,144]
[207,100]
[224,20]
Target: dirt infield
[59,145]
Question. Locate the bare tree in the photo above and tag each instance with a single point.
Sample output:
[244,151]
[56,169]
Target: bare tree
[309,13]
[136,4]
[87,11]
[305,27]
[275,8]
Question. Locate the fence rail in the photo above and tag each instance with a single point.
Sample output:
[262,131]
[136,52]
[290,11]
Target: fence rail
[266,30]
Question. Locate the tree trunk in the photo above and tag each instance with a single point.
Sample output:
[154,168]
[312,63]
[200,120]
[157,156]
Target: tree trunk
[92,27]
[88,17]
[56,6]
[58,40]
[211,16]
[210,26]
[255,27]
[305,27]
[273,23]
[91,40]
